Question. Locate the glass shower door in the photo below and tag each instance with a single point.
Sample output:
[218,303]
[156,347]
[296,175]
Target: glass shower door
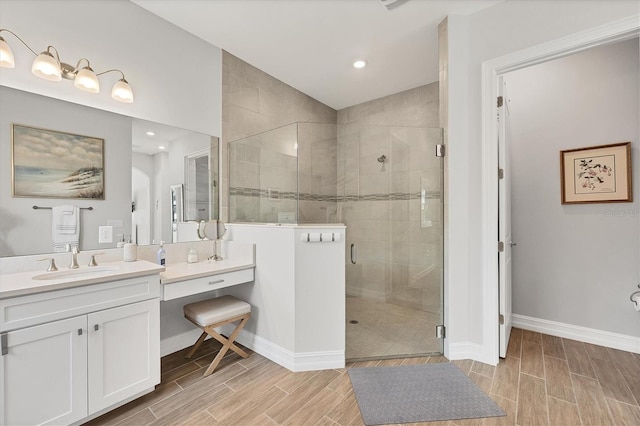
[390,199]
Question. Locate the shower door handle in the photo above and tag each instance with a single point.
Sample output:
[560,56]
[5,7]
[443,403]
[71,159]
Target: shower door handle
[354,254]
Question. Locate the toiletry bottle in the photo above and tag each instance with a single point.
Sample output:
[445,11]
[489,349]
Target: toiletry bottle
[192,255]
[130,253]
[161,255]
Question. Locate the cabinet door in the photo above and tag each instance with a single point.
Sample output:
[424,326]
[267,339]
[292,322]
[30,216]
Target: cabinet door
[124,352]
[44,374]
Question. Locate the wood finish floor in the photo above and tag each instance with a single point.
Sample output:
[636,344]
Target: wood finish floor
[544,380]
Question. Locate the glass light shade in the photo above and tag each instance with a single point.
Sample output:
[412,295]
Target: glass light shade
[122,92]
[87,80]
[47,67]
[6,55]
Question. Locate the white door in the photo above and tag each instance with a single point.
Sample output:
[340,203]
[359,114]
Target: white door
[124,352]
[44,374]
[504,221]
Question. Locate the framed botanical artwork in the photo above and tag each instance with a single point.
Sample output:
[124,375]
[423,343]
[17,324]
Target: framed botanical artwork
[597,174]
[54,164]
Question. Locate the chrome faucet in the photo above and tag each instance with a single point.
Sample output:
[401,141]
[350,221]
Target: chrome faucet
[74,257]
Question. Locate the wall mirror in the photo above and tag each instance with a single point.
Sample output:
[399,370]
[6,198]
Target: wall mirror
[144,162]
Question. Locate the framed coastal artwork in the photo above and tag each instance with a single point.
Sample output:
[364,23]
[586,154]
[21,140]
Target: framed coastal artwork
[597,174]
[53,164]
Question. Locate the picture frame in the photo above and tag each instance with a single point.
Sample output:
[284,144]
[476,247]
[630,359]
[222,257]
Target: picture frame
[54,164]
[596,174]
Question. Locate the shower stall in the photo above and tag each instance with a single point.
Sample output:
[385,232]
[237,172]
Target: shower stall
[385,184]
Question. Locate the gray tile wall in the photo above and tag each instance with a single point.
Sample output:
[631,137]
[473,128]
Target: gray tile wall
[254,102]
[396,227]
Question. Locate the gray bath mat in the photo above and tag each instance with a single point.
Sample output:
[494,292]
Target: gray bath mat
[419,393]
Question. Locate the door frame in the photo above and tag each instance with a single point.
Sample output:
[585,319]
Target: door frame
[613,32]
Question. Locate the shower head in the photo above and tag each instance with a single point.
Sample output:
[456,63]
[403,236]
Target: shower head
[382,158]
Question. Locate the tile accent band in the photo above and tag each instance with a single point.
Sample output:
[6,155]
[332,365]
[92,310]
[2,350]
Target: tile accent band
[304,196]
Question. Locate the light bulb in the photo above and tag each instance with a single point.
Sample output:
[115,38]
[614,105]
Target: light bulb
[6,55]
[87,80]
[359,64]
[47,67]
[122,92]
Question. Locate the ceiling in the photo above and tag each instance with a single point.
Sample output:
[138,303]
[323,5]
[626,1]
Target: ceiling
[312,44]
[163,135]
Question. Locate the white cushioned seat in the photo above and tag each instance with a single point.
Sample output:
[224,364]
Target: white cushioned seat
[211,311]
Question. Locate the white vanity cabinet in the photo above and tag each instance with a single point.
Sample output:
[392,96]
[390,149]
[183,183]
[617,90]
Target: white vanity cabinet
[124,352]
[64,361]
[44,374]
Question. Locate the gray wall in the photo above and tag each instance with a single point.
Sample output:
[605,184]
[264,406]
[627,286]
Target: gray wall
[27,231]
[574,264]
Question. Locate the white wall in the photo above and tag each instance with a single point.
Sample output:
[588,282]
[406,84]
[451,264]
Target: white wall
[297,300]
[161,204]
[574,264]
[27,231]
[175,76]
[497,31]
[143,192]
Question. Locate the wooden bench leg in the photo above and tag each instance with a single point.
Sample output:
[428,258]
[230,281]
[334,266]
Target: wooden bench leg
[227,343]
[196,345]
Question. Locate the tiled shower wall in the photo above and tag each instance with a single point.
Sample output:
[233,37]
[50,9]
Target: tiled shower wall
[285,175]
[254,102]
[263,176]
[393,209]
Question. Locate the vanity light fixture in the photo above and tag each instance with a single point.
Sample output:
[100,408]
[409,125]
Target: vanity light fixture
[360,63]
[150,133]
[162,147]
[48,66]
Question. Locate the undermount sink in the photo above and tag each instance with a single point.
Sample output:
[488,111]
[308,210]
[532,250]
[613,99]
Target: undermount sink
[77,273]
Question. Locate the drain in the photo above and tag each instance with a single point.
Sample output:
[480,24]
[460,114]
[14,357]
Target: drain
[353,322]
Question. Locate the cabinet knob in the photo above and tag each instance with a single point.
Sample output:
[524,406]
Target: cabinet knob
[79,332]
[96,327]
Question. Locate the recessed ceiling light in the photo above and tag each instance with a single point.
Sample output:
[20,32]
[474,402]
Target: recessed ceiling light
[150,133]
[162,147]
[359,64]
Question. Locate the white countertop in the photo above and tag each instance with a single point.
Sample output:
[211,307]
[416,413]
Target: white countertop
[185,271]
[23,283]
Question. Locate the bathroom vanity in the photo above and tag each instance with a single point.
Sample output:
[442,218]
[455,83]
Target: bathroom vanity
[76,344]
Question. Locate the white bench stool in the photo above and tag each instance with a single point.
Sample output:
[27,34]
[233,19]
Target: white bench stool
[212,313]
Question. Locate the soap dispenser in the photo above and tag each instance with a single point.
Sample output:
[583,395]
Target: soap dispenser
[160,259]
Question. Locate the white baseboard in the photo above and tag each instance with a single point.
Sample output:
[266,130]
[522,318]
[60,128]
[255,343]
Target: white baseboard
[294,361]
[173,344]
[575,332]
[467,350]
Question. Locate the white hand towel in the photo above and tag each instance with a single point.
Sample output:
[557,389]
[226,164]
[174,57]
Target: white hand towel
[65,227]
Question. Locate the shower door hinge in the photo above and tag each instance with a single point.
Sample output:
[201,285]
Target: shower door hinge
[440,150]
[500,173]
[440,332]
[500,246]
[500,101]
[501,319]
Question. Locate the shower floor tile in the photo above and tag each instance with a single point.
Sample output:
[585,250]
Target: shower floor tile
[388,330]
